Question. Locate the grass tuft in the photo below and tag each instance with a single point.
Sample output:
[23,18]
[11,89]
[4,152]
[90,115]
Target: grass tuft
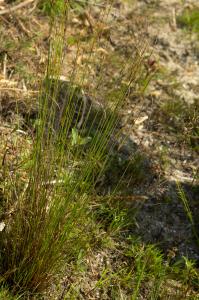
[189,19]
[48,226]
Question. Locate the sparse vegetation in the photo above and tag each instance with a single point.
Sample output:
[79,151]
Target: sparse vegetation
[72,180]
[182,119]
[189,19]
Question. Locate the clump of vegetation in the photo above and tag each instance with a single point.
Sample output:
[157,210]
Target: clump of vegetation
[50,205]
[52,9]
[56,9]
[189,19]
[6,295]
[181,119]
[188,211]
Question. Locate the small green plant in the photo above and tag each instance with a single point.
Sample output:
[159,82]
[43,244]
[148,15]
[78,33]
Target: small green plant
[185,270]
[148,267]
[190,19]
[146,273]
[52,8]
[181,119]
[55,8]
[187,209]
[110,215]
[6,295]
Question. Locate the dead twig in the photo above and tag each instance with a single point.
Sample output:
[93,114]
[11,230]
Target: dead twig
[23,27]
[5,66]
[173,22]
[34,7]
[18,90]
[15,7]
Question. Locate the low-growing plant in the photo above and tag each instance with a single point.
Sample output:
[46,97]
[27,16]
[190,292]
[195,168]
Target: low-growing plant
[185,202]
[5,294]
[181,119]
[57,8]
[189,19]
